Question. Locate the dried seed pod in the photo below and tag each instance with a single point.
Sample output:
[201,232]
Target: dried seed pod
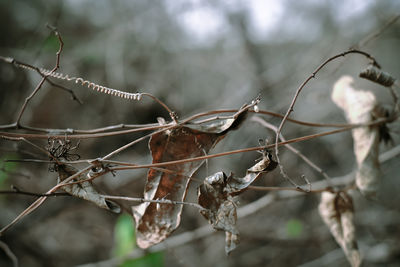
[378,76]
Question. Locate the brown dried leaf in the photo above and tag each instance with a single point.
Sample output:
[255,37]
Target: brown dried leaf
[359,107]
[215,195]
[238,184]
[156,221]
[84,190]
[220,209]
[336,210]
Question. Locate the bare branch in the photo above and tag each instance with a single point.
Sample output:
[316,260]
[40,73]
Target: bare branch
[290,109]
[377,33]
[161,201]
[57,65]
[9,253]
[291,148]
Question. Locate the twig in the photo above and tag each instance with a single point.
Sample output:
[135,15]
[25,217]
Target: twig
[161,164]
[161,201]
[81,136]
[51,73]
[9,253]
[294,150]
[57,65]
[17,191]
[30,143]
[377,33]
[394,152]
[103,131]
[274,188]
[40,200]
[290,109]
[46,77]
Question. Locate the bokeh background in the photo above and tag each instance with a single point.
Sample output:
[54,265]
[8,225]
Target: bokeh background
[195,56]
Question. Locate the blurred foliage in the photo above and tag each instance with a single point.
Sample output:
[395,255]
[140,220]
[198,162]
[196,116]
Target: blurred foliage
[124,242]
[294,228]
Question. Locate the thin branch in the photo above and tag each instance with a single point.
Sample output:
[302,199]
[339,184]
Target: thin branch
[392,153]
[377,33]
[40,200]
[57,65]
[129,166]
[9,253]
[19,192]
[290,109]
[18,139]
[274,188]
[291,148]
[82,136]
[161,201]
[97,133]
[51,73]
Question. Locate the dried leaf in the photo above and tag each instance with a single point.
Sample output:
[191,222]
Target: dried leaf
[238,184]
[336,210]
[220,209]
[359,107]
[155,221]
[215,195]
[84,190]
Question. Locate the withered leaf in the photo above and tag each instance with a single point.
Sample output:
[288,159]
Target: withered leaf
[359,107]
[238,184]
[156,221]
[336,210]
[84,190]
[216,193]
[220,209]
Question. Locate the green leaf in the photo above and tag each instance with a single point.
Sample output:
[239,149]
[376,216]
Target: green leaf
[294,228]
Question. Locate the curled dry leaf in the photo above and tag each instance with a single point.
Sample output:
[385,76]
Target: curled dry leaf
[219,208]
[359,107]
[216,193]
[156,221]
[336,210]
[238,184]
[84,190]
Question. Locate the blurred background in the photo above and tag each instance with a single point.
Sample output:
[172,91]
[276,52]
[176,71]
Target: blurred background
[195,55]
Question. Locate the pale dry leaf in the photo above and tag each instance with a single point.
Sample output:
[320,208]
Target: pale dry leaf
[336,210]
[84,190]
[154,224]
[359,106]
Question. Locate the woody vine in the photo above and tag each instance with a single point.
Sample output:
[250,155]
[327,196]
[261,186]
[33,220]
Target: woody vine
[179,147]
